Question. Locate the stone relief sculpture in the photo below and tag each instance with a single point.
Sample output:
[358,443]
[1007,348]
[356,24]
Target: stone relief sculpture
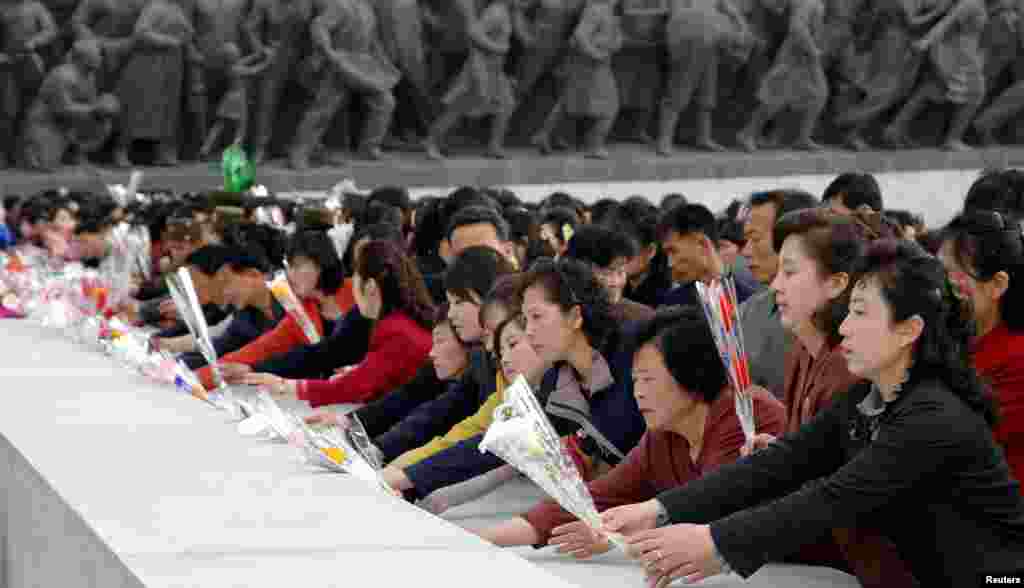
[191,76]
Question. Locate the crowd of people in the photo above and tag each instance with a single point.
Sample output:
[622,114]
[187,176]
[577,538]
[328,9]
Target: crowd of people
[887,357]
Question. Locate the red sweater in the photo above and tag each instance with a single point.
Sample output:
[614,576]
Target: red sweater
[999,358]
[661,460]
[398,347]
[282,338]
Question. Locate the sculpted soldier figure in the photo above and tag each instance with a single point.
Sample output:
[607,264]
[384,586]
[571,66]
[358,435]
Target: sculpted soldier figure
[482,89]
[590,89]
[402,31]
[796,79]
[698,33]
[112,24]
[345,34]
[1005,41]
[217,23]
[543,28]
[25,27]
[152,110]
[639,66]
[68,116]
[956,74]
[279,28]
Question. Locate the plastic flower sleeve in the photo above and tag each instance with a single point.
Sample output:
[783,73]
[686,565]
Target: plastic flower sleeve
[342,455]
[284,295]
[522,436]
[718,299]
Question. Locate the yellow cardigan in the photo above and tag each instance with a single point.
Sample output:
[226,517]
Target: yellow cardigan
[469,427]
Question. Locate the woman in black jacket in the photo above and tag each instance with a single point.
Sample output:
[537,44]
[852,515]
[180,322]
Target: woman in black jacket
[910,452]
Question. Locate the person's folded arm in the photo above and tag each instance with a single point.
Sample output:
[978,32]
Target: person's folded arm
[465,429]
[913,449]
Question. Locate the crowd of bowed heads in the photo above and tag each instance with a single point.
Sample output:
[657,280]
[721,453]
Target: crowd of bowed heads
[888,358]
[98,77]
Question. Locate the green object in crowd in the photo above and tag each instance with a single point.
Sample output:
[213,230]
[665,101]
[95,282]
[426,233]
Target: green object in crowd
[239,170]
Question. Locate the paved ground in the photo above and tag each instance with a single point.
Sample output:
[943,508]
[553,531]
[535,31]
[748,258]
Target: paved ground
[713,178]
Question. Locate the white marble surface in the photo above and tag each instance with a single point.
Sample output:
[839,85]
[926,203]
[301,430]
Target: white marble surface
[111,480]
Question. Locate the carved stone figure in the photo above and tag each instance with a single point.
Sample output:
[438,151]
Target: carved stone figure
[402,35]
[68,116]
[796,79]
[481,89]
[216,23]
[956,74]
[447,25]
[151,83]
[543,29]
[26,26]
[639,65]
[698,32]
[279,28]
[590,88]
[112,24]
[233,110]
[354,65]
[1004,42]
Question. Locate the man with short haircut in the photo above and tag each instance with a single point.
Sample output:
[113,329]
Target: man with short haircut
[850,191]
[479,226]
[765,338]
[689,237]
[608,252]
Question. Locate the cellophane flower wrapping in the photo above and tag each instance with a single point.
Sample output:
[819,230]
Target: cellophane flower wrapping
[718,299]
[332,448]
[522,436]
[284,295]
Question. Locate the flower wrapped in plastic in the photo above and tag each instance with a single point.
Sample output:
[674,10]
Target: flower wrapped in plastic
[284,295]
[332,448]
[267,418]
[187,302]
[187,382]
[522,436]
[718,299]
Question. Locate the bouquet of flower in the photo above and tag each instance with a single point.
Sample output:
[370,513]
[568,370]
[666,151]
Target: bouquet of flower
[522,436]
[284,295]
[719,302]
[267,418]
[332,448]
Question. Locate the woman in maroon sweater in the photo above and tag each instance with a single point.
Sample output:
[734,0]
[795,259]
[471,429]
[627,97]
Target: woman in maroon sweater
[984,255]
[692,429]
[389,290]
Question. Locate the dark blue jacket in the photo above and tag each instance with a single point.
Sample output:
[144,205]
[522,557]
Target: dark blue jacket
[686,294]
[460,399]
[347,345]
[246,326]
[387,411]
[612,428]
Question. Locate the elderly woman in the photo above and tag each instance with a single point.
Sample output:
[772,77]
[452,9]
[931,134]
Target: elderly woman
[692,429]
[910,450]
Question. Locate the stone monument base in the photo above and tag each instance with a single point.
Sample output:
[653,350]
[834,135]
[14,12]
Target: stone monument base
[627,163]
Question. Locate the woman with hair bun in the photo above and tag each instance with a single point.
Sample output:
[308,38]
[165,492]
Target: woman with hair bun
[909,451]
[389,290]
[983,252]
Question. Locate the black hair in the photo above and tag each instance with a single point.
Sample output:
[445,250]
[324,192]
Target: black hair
[855,190]
[392,195]
[603,210]
[560,218]
[505,198]
[564,200]
[1001,190]
[683,339]
[914,283]
[474,215]
[430,229]
[600,245]
[785,200]
[474,271]
[569,283]
[670,201]
[264,246]
[504,293]
[904,218]
[399,280]
[210,259]
[318,247]
[355,206]
[375,232]
[986,243]
[687,219]
[378,212]
[637,206]
[463,197]
[522,224]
